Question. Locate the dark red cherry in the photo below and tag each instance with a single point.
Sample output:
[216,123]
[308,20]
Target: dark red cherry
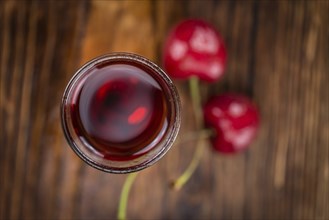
[194,48]
[234,118]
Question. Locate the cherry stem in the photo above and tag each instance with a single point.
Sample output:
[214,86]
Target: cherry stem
[125,194]
[196,102]
[195,135]
[201,134]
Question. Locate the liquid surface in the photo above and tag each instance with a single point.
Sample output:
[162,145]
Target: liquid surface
[120,112]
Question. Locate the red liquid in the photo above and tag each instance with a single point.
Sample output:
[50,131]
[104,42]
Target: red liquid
[119,111]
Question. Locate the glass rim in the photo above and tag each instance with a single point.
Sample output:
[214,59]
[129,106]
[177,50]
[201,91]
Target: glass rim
[170,133]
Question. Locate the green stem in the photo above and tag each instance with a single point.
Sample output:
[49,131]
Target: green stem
[202,134]
[124,195]
[196,102]
[195,135]
[180,182]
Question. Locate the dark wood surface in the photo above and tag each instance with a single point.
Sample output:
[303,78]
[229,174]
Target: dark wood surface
[278,55]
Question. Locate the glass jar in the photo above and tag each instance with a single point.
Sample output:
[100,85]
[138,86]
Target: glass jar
[120,113]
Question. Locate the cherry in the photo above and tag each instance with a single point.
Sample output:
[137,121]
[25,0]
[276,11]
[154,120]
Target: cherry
[234,118]
[194,48]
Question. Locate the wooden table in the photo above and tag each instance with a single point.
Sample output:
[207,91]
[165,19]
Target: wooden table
[278,55]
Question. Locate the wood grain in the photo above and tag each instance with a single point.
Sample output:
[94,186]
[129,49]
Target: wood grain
[278,55]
